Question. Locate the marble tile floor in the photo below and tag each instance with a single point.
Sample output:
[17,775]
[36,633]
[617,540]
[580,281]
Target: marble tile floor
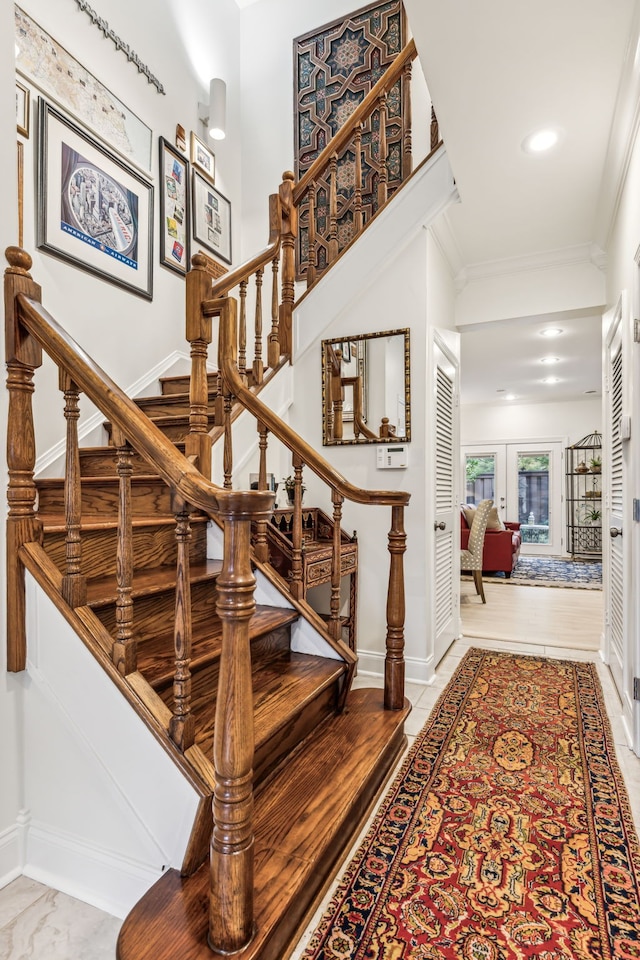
[39,923]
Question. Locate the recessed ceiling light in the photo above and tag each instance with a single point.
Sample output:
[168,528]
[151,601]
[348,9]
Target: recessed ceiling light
[549,359]
[551,332]
[540,141]
[551,380]
[510,396]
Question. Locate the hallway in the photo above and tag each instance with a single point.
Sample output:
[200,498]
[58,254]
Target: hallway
[37,923]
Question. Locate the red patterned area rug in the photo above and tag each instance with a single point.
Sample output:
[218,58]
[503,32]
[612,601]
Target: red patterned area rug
[506,835]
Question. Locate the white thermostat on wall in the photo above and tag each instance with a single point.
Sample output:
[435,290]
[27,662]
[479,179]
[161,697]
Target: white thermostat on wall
[392,456]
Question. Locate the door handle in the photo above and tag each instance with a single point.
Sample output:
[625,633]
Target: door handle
[615,532]
[440,526]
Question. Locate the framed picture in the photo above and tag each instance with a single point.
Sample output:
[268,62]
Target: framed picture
[211,218]
[175,216]
[22,109]
[202,158]
[93,210]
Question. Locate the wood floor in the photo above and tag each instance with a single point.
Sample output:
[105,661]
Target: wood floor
[552,616]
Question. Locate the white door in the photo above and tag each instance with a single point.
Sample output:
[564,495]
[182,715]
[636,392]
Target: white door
[524,480]
[618,645]
[446,565]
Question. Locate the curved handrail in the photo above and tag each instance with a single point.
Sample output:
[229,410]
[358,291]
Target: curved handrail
[141,433]
[289,437]
[362,111]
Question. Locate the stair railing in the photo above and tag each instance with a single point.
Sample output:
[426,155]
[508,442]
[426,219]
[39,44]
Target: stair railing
[270,276]
[30,330]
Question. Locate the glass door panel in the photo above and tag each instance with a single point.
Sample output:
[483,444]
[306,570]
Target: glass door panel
[480,478]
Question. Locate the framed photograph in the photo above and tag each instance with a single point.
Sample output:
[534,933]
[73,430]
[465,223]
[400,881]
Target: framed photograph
[22,109]
[175,214]
[211,218]
[346,351]
[202,158]
[93,210]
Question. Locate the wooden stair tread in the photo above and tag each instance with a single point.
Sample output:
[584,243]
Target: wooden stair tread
[305,820]
[156,657]
[102,590]
[283,684]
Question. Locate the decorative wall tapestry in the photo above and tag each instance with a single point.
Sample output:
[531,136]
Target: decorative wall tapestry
[335,66]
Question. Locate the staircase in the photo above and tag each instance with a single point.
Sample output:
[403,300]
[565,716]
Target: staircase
[155,566]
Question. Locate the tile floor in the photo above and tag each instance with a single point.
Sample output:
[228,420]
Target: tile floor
[38,923]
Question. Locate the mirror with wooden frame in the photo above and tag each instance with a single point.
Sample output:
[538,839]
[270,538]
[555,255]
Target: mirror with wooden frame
[365,388]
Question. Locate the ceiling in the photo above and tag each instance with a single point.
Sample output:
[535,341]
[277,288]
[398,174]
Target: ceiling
[496,72]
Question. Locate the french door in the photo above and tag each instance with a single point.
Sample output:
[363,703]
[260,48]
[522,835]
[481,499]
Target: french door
[524,480]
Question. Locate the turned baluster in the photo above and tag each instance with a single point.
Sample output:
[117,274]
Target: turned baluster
[382,150]
[198,333]
[394,661]
[258,365]
[357,146]
[242,332]
[311,260]
[335,622]
[231,920]
[227,456]
[273,342]
[260,543]
[124,651]
[333,208]
[23,356]
[289,233]
[296,584]
[74,584]
[182,723]
[407,122]
[435,131]
[337,393]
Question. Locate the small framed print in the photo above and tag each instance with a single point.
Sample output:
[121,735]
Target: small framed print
[22,109]
[175,213]
[211,218]
[202,158]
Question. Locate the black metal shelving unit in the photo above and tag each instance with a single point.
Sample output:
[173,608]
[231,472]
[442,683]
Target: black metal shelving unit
[584,497]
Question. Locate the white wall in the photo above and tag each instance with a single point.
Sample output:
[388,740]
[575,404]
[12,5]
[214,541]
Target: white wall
[184,46]
[9,689]
[537,421]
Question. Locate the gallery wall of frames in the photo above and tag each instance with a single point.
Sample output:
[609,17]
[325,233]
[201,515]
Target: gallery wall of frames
[100,170]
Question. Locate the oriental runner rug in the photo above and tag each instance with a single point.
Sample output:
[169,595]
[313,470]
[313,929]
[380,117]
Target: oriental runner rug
[506,835]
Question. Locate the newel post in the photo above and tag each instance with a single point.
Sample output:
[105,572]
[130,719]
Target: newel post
[394,661]
[231,912]
[198,333]
[289,234]
[23,356]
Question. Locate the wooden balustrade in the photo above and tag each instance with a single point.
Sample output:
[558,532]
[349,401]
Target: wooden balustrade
[74,585]
[124,646]
[182,725]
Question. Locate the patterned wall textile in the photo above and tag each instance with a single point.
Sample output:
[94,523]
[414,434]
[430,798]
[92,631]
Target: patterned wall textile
[334,69]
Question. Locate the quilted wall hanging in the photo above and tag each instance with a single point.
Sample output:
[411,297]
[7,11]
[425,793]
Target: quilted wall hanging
[335,67]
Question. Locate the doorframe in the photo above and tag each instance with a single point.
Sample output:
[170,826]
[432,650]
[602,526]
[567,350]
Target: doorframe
[523,444]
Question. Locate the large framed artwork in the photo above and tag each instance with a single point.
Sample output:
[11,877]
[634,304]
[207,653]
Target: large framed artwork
[61,78]
[211,218]
[335,67]
[93,210]
[175,218]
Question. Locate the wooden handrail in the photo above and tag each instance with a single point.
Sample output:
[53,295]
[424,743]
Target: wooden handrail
[321,467]
[362,111]
[141,433]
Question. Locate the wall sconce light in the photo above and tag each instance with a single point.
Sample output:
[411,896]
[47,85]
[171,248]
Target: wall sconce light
[214,113]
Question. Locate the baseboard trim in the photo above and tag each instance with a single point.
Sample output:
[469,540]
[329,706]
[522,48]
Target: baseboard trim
[10,862]
[99,877]
[371,663]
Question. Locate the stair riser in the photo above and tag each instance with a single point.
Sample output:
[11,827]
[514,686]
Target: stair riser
[102,463]
[152,547]
[175,430]
[172,405]
[156,613]
[172,385]
[148,498]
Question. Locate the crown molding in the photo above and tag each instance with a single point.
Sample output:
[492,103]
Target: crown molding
[622,137]
[544,260]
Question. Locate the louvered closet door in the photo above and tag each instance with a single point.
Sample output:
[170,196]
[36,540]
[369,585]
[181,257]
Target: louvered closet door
[446,562]
[614,545]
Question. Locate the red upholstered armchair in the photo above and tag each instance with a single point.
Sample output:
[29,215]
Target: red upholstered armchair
[501,547]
